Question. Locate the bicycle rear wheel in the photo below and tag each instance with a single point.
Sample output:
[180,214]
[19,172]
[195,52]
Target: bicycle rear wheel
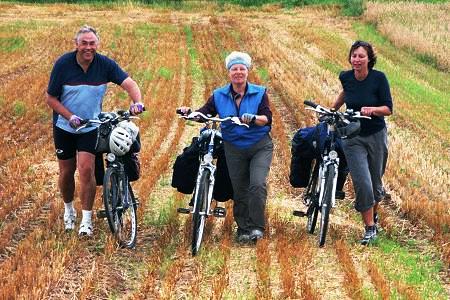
[326,203]
[127,219]
[199,215]
[311,193]
[111,197]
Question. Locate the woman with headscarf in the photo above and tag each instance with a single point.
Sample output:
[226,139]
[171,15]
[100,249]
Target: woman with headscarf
[248,151]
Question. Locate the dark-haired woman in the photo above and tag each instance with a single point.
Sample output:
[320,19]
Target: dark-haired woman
[366,90]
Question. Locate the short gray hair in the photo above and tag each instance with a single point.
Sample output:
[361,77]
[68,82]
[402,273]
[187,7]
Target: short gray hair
[86,29]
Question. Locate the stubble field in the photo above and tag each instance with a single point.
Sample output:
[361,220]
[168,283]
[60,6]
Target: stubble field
[176,56]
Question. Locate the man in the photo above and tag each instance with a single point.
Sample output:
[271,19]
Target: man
[75,91]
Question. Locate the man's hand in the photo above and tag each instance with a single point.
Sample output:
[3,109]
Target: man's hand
[248,118]
[137,108]
[75,121]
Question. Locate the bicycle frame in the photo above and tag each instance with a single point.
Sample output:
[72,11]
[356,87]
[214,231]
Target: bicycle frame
[118,197]
[204,188]
[116,163]
[206,162]
[321,190]
[329,157]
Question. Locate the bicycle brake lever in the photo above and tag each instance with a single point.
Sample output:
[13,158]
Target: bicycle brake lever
[237,121]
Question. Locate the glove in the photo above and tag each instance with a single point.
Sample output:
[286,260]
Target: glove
[137,108]
[75,121]
[248,118]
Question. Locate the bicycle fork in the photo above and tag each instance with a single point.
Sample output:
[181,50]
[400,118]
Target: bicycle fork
[331,159]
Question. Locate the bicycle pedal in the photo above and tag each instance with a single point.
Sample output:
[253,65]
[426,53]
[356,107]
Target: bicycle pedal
[101,214]
[299,213]
[220,212]
[183,210]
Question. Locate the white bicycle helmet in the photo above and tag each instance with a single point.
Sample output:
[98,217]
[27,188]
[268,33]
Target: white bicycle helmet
[131,128]
[120,141]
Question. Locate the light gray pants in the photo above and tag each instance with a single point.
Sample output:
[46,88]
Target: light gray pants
[366,158]
[248,169]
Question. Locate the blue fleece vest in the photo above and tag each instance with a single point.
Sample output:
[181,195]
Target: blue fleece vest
[240,136]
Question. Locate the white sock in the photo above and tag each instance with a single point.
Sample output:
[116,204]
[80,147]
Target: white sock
[87,215]
[68,207]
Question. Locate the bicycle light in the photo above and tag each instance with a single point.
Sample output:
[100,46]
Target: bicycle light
[333,154]
[110,157]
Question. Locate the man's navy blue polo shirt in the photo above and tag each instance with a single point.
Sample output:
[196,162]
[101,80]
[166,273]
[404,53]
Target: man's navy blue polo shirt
[82,93]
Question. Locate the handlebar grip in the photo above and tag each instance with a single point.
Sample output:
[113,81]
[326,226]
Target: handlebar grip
[83,121]
[310,103]
[179,112]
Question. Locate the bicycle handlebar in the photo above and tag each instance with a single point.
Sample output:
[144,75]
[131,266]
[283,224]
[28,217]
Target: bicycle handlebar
[348,114]
[310,103]
[200,117]
[105,117]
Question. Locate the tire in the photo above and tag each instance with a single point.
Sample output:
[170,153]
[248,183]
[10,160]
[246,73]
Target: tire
[313,209]
[110,197]
[199,215]
[122,219]
[326,204]
[312,213]
[127,220]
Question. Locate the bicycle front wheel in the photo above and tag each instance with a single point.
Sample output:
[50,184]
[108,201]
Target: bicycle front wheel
[326,203]
[111,197]
[200,213]
[127,219]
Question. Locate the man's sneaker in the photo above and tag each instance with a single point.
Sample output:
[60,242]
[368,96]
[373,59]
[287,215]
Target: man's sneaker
[69,220]
[370,235]
[85,229]
[256,234]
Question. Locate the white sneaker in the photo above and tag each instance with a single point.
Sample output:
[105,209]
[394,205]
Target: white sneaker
[85,229]
[69,220]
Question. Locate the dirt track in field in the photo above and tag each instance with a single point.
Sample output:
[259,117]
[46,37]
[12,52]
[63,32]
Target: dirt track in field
[39,260]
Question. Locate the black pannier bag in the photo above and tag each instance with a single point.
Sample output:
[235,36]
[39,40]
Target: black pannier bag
[223,190]
[307,145]
[186,167]
[103,133]
[132,166]
[130,161]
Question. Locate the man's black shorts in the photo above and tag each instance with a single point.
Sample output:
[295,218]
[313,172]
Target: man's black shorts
[67,144]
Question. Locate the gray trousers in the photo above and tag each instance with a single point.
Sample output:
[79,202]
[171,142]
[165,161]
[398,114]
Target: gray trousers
[366,158]
[248,169]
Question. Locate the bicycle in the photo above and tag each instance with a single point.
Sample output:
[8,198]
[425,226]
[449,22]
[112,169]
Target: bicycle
[209,139]
[320,193]
[119,200]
